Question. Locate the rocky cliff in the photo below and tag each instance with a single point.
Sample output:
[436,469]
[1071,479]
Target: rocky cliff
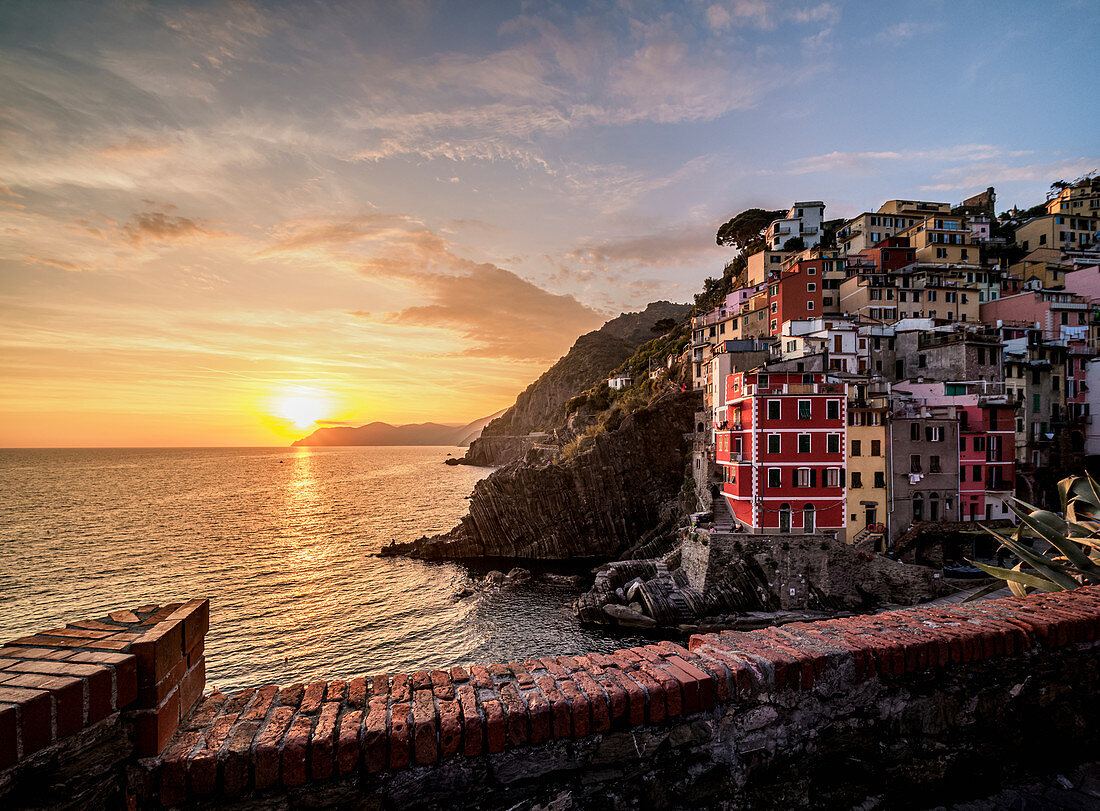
[597,503]
[541,406]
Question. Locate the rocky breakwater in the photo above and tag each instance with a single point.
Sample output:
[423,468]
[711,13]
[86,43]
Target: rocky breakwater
[594,504]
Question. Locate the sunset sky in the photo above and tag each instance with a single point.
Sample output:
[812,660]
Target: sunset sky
[406,211]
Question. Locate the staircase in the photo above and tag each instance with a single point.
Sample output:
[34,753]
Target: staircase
[867,541]
[723,518]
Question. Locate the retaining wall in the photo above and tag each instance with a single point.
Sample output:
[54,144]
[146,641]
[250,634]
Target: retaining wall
[908,708]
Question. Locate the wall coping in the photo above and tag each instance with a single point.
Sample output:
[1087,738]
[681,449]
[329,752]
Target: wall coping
[273,739]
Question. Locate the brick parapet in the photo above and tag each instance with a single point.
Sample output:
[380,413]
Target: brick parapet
[277,739]
[146,665]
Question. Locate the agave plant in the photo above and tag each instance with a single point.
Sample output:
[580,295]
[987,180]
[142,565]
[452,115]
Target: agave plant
[1056,552]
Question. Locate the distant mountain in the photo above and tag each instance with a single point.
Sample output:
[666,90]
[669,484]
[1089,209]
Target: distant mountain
[381,433]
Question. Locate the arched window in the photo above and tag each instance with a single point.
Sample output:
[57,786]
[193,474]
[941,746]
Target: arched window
[918,507]
[785,518]
[808,519]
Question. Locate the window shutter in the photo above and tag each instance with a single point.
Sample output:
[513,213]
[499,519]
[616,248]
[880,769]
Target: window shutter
[813,478]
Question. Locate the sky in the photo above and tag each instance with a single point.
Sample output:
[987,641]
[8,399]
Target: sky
[221,221]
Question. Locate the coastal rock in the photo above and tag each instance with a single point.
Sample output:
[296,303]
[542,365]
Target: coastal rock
[627,616]
[541,406]
[595,504]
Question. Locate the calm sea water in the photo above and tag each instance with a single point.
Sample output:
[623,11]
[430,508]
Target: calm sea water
[281,541]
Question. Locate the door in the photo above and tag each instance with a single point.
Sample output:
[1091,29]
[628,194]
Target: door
[870,517]
[808,519]
[785,518]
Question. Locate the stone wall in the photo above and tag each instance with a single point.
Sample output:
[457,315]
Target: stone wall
[904,709]
[80,702]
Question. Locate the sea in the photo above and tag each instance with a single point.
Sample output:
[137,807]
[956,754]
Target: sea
[283,542]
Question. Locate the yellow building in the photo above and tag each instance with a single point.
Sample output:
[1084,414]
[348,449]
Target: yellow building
[867,463]
[1061,232]
[761,264]
[918,208]
[1079,200]
[943,239]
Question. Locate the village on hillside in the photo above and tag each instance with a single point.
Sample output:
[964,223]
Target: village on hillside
[913,367]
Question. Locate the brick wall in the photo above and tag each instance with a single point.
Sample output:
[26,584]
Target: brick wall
[138,671]
[913,707]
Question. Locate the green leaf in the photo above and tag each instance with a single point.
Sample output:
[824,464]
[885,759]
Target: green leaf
[1013,576]
[1044,566]
[1058,540]
[992,587]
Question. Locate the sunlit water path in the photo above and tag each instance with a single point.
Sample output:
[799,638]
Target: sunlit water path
[281,541]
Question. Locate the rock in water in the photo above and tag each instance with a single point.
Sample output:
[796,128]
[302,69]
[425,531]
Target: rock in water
[628,616]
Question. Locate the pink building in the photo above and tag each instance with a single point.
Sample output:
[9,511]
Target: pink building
[1059,314]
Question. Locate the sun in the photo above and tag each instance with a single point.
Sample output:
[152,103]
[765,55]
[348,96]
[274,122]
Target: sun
[301,410]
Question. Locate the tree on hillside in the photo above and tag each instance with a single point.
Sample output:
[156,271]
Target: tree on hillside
[663,325]
[746,228]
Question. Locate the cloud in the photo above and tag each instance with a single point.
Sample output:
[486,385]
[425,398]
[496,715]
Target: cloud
[992,173]
[907,29]
[134,147]
[671,247]
[160,227]
[868,162]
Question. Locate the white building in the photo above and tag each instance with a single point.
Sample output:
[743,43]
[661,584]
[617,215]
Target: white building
[803,220]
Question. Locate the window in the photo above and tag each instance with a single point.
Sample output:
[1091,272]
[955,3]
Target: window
[832,410]
[914,431]
[918,507]
[809,305]
[977,473]
[805,477]
[775,477]
[773,443]
[876,447]
[832,443]
[933,464]
[811,287]
[832,477]
[762,381]
[803,443]
[857,480]
[962,443]
[856,448]
[804,409]
[914,463]
[979,443]
[774,409]
[922,361]
[880,479]
[981,356]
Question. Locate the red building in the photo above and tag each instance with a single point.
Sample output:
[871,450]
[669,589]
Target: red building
[986,459]
[794,293]
[783,452]
[891,254]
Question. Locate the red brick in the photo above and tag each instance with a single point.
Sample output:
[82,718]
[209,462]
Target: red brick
[515,720]
[380,686]
[194,615]
[523,677]
[580,707]
[472,727]
[262,700]
[95,625]
[374,736]
[147,609]
[553,668]
[585,663]
[291,696]
[459,675]
[500,671]
[119,645]
[399,688]
[617,698]
[357,693]
[322,748]
[173,768]
[655,696]
[399,734]
[337,691]
[124,616]
[195,653]
[538,710]
[295,750]
[597,700]
[158,651]
[266,751]
[442,685]
[314,695]
[495,731]
[80,633]
[152,695]
[646,655]
[51,641]
[561,723]
[100,686]
[155,726]
[9,733]
[35,653]
[420,680]
[34,709]
[204,712]
[347,742]
[481,677]
[634,693]
[125,669]
[235,756]
[424,725]
[450,727]
[68,699]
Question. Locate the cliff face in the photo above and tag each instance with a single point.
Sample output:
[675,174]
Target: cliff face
[541,406]
[594,505]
